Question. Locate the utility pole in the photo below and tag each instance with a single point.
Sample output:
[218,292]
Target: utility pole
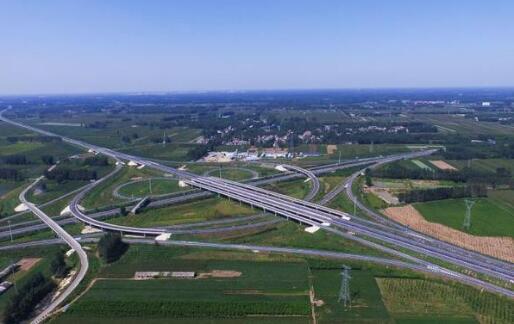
[164,139]
[220,169]
[13,281]
[150,184]
[467,219]
[10,230]
[344,292]
[339,157]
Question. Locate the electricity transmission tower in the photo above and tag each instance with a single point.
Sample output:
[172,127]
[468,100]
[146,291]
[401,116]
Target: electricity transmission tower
[467,219]
[344,292]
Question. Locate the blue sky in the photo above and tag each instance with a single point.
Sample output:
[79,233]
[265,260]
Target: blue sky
[103,46]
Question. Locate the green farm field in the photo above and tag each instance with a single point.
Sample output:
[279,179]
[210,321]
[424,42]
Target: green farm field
[489,165]
[274,287]
[491,216]
[270,288]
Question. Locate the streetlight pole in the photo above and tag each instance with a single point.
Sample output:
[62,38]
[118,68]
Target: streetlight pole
[10,230]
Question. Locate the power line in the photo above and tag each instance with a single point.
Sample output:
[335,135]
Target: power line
[467,219]
[344,292]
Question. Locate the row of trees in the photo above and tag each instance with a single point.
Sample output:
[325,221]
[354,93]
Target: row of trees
[10,174]
[61,174]
[418,195]
[58,265]
[198,151]
[97,160]
[40,138]
[396,170]
[21,159]
[16,159]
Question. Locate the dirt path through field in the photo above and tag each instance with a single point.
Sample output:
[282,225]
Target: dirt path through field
[498,247]
[27,263]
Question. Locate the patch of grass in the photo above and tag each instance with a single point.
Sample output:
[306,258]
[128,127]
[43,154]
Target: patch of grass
[158,186]
[209,209]
[374,201]
[232,174]
[290,234]
[10,200]
[296,188]
[102,195]
[492,216]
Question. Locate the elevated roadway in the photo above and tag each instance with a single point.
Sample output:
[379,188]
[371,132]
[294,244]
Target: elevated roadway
[72,243]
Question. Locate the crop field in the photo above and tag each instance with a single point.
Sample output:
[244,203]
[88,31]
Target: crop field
[424,301]
[272,287]
[421,165]
[453,123]
[366,304]
[116,127]
[170,152]
[501,247]
[264,288]
[492,216]
[489,165]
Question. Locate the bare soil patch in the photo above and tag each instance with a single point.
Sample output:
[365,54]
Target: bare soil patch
[220,274]
[498,247]
[443,165]
[385,195]
[331,148]
[27,263]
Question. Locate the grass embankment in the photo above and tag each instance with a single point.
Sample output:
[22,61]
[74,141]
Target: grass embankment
[192,212]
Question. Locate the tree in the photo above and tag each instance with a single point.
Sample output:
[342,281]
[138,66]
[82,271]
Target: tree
[58,265]
[367,174]
[111,247]
[47,159]
[123,211]
[22,303]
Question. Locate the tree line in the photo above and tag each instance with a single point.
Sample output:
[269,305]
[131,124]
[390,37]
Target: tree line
[420,195]
[21,305]
[501,176]
[61,174]
[41,139]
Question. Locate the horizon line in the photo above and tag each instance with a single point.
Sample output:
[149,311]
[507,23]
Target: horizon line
[228,91]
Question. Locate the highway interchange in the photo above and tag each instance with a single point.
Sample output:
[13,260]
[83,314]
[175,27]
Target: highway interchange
[379,233]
